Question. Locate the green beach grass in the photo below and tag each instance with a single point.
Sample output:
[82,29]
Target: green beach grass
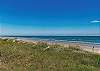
[16,56]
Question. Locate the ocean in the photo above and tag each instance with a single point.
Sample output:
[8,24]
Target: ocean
[83,39]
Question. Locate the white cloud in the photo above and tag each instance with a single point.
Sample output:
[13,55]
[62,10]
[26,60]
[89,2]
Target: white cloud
[95,21]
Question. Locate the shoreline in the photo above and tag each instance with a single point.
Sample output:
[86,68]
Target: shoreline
[84,46]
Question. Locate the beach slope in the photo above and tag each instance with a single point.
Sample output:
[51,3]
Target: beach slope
[25,56]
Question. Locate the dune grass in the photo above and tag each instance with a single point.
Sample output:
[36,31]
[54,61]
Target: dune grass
[16,56]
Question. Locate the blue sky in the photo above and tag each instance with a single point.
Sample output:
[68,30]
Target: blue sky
[50,17]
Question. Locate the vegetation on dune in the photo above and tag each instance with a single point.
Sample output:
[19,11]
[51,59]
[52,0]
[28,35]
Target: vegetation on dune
[18,56]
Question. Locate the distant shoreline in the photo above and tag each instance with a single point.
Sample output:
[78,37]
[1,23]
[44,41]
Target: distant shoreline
[38,38]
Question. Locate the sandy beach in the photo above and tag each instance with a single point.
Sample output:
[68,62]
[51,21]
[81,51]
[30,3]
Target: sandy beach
[85,47]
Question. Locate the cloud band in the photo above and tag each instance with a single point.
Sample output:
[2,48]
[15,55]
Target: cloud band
[95,21]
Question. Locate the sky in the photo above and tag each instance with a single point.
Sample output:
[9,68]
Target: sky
[50,17]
